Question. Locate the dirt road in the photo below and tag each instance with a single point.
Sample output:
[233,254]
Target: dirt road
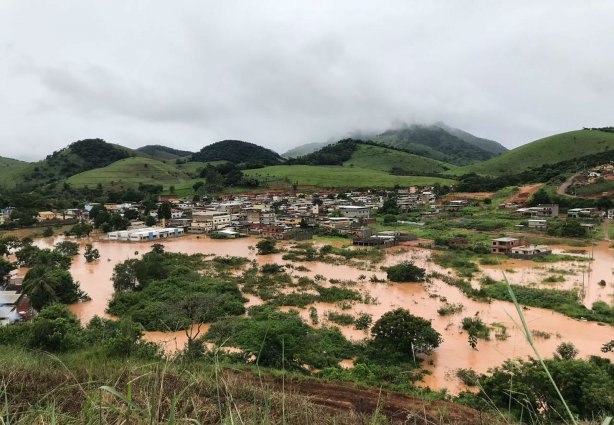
[562,189]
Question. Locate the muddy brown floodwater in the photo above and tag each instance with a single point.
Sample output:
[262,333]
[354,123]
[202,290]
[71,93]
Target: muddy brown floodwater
[421,299]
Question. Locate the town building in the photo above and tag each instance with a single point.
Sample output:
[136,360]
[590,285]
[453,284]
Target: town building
[528,252]
[209,220]
[10,307]
[537,223]
[145,234]
[354,211]
[541,210]
[503,246]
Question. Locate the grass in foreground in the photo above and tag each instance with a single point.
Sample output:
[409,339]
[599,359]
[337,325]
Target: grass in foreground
[37,388]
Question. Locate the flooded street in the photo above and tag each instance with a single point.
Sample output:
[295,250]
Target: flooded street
[420,299]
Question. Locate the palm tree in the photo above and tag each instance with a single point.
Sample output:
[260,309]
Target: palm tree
[39,287]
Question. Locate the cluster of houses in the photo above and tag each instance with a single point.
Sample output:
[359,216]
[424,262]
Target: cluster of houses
[538,216]
[276,215]
[604,171]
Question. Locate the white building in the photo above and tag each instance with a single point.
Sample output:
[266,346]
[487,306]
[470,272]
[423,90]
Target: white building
[8,307]
[145,234]
[210,220]
[354,211]
[537,223]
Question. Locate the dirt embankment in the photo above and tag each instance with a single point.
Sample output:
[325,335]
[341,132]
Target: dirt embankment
[523,195]
[398,408]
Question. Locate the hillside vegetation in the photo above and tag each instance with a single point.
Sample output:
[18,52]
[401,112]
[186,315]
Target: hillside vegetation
[163,152]
[485,144]
[568,146]
[435,143]
[394,161]
[339,176]
[8,168]
[80,156]
[305,149]
[130,172]
[238,152]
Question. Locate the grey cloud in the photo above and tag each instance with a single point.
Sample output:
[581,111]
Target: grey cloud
[284,73]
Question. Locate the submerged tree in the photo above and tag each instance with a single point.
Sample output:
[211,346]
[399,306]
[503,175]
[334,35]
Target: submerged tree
[91,254]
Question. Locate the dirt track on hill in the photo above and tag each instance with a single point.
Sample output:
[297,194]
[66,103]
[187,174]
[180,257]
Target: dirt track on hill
[398,408]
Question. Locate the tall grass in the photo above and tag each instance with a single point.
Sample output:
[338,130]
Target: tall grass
[527,334]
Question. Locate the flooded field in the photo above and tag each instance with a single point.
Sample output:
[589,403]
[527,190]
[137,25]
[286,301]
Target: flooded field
[421,299]
[584,276]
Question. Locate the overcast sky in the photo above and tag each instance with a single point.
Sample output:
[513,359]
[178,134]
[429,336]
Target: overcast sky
[186,74]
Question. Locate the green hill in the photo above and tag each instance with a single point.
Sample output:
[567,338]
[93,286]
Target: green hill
[163,152]
[11,163]
[129,172]
[550,150]
[435,143]
[9,168]
[330,176]
[485,144]
[394,161]
[80,156]
[371,155]
[238,152]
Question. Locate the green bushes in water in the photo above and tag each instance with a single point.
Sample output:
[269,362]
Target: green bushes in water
[476,330]
[406,272]
[169,293]
[341,318]
[48,281]
[562,301]
[448,309]
[585,385]
[276,339]
[57,329]
[363,322]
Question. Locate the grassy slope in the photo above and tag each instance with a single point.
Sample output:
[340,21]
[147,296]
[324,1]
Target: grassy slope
[131,172]
[383,159]
[550,150]
[338,176]
[416,148]
[9,168]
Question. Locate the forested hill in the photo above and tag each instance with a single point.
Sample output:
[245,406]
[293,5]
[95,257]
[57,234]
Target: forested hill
[80,156]
[435,143]
[237,151]
[10,162]
[163,152]
[485,144]
[371,155]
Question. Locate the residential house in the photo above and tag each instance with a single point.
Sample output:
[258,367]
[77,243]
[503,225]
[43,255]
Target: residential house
[46,216]
[354,211]
[260,215]
[9,307]
[503,246]
[276,232]
[209,220]
[541,210]
[529,251]
[537,223]
[583,212]
[168,198]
